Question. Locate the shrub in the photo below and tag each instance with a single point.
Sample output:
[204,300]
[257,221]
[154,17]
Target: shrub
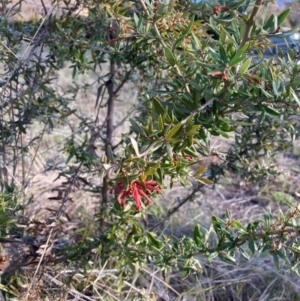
[190,89]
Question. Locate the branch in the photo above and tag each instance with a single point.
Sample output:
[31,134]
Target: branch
[109,127]
[250,22]
[174,210]
[256,235]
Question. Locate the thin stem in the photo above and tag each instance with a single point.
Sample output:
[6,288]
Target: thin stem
[175,209]
[109,126]
[250,22]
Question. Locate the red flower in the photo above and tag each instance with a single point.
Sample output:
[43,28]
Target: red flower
[219,8]
[253,80]
[221,75]
[137,190]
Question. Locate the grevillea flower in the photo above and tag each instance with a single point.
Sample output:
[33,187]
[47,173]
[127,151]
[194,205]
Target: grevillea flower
[220,8]
[137,190]
[219,74]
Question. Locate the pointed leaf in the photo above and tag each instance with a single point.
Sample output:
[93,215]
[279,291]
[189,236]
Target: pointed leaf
[238,57]
[135,146]
[245,65]
[136,127]
[293,96]
[276,260]
[158,107]
[200,170]
[156,243]
[251,244]
[282,16]
[160,123]
[204,181]
[170,56]
[172,132]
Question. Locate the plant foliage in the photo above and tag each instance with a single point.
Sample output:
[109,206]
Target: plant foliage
[191,88]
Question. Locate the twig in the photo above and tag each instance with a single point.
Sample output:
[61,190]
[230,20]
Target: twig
[250,22]
[109,126]
[175,209]
[44,7]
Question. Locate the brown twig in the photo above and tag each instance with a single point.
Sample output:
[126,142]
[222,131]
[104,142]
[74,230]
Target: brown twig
[250,22]
[175,209]
[109,126]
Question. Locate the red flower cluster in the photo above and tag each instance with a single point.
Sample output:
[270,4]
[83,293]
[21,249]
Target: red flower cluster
[253,80]
[221,75]
[137,190]
[187,157]
[220,8]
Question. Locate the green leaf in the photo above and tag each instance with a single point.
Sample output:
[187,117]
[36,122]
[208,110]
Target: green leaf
[293,96]
[282,16]
[160,123]
[227,258]
[200,170]
[242,27]
[189,27]
[158,107]
[196,41]
[245,65]
[198,237]
[138,22]
[236,4]
[135,146]
[196,86]
[169,151]
[262,116]
[68,113]
[276,260]
[271,24]
[170,56]
[244,253]
[215,55]
[271,111]
[173,131]
[206,65]
[283,256]
[136,127]
[235,61]
[211,256]
[223,54]
[74,71]
[178,42]
[204,181]
[267,219]
[251,244]
[237,224]
[156,243]
[238,57]
[110,154]
[223,35]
